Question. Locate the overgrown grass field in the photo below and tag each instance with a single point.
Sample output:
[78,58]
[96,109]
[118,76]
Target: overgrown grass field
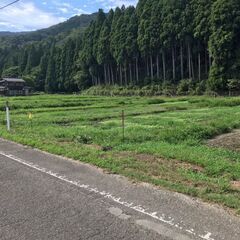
[165,138]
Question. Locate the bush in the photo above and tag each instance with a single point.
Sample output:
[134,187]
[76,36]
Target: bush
[233,85]
[200,88]
[12,72]
[185,87]
[84,139]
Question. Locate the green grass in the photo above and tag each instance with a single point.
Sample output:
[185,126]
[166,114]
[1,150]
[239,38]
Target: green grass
[165,138]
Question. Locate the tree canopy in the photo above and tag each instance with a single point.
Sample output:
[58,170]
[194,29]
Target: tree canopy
[158,42]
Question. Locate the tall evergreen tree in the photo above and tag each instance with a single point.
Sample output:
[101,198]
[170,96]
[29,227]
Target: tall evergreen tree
[224,40]
[51,73]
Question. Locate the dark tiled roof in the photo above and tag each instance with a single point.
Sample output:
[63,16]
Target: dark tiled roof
[13,80]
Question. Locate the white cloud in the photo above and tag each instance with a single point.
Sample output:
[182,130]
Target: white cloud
[67,8]
[25,16]
[63,10]
[108,4]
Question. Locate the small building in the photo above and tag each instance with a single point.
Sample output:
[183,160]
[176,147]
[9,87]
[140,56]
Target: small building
[13,87]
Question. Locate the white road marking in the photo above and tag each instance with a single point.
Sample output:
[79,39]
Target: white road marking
[137,208]
[162,230]
[207,236]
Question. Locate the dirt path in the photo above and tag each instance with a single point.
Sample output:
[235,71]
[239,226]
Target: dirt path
[229,141]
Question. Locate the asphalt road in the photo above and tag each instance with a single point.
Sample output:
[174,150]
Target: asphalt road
[48,197]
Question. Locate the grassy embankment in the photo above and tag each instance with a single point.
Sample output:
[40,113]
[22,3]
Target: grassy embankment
[165,142]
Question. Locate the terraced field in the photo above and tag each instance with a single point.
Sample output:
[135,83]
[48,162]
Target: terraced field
[165,138]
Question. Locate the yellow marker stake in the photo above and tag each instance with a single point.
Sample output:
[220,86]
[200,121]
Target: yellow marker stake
[30,116]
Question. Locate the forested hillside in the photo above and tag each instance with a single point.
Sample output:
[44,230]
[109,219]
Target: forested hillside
[194,44]
[10,33]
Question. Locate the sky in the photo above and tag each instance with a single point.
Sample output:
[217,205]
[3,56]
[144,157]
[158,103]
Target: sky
[29,15]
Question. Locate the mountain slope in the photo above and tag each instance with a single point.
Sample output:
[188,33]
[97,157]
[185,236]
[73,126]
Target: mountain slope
[3,34]
[75,22]
[9,39]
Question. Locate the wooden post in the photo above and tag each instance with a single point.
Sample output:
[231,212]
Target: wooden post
[123,125]
[7,116]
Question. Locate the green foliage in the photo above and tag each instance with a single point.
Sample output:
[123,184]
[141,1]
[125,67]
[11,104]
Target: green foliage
[32,77]
[11,72]
[200,88]
[84,139]
[185,87]
[225,22]
[156,101]
[159,42]
[233,85]
[82,80]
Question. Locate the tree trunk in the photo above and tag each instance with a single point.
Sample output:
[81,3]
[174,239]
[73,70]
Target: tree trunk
[109,75]
[192,67]
[137,70]
[206,62]
[116,74]
[105,74]
[121,77]
[148,67]
[199,66]
[125,72]
[173,64]
[210,61]
[181,56]
[151,62]
[158,72]
[164,65]
[112,75]
[189,62]
[130,72]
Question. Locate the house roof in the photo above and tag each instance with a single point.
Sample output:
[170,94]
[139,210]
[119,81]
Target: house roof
[13,80]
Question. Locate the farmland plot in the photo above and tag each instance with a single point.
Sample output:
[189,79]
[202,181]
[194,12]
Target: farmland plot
[165,139]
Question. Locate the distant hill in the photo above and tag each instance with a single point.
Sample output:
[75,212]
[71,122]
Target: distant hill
[79,23]
[3,34]
[76,22]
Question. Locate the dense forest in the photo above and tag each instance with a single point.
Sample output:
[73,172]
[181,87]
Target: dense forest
[166,43]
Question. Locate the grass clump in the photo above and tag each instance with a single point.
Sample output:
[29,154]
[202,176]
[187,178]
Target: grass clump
[156,101]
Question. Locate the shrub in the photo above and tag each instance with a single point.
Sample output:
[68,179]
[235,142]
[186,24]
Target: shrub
[233,85]
[200,88]
[84,139]
[12,72]
[185,87]
[168,89]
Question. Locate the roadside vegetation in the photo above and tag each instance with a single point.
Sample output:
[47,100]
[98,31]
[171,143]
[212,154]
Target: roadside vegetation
[165,138]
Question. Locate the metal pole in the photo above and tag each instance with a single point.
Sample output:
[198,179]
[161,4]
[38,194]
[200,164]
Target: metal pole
[123,126]
[7,116]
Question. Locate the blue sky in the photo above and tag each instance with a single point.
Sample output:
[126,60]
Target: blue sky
[28,15]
